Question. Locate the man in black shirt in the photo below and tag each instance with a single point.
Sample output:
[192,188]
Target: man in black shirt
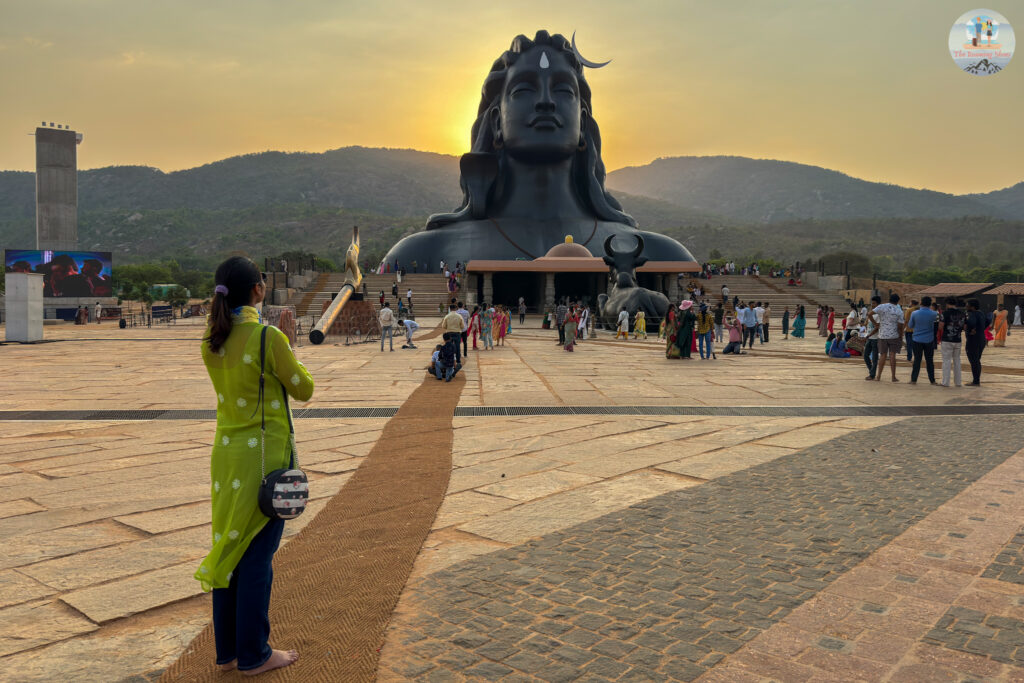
[952,337]
[974,328]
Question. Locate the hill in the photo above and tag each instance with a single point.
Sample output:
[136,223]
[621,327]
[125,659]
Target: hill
[765,191]
[272,202]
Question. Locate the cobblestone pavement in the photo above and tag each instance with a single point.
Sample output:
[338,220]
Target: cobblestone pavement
[1009,564]
[668,588]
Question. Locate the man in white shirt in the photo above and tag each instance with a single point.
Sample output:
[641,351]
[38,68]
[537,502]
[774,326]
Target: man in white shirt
[408,298]
[851,322]
[387,320]
[98,311]
[725,294]
[410,327]
[890,334]
[759,317]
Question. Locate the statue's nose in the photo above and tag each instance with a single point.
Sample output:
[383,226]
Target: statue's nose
[545,102]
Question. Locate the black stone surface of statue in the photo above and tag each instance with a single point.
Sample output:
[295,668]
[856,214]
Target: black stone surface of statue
[624,292]
[535,173]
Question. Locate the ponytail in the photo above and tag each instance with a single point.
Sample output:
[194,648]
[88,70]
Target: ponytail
[234,279]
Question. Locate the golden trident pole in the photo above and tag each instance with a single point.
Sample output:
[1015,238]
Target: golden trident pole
[353,278]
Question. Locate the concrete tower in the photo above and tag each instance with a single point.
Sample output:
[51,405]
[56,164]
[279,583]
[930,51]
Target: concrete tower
[57,189]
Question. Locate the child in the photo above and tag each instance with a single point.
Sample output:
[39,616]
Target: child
[432,368]
[828,343]
[639,325]
[838,349]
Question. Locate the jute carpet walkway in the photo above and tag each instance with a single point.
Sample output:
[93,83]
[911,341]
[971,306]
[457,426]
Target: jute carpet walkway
[337,582]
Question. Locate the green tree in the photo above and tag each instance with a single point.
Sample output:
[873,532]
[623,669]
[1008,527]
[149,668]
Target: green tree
[177,297]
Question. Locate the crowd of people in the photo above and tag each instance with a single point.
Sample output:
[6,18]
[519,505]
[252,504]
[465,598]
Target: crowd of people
[695,326]
[882,332]
[708,270]
[485,326]
[686,331]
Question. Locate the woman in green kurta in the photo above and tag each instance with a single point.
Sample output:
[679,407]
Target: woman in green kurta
[244,540]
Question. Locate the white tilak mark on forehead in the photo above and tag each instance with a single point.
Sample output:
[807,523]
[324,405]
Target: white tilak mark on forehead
[544,63]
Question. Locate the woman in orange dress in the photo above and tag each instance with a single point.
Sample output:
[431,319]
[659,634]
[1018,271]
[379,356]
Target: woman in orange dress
[500,324]
[1000,325]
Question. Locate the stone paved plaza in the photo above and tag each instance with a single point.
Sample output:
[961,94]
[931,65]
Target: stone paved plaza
[610,515]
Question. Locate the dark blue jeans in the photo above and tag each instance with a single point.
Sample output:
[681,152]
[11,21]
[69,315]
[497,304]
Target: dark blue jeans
[241,626]
[704,343]
[871,356]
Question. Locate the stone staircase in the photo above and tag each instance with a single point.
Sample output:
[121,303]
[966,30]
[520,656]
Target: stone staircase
[428,290]
[772,290]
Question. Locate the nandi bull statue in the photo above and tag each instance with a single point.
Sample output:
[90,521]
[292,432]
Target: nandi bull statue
[625,292]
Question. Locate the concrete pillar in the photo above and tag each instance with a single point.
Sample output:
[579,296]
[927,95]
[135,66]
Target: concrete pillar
[674,292]
[56,189]
[24,307]
[488,288]
[549,291]
[472,287]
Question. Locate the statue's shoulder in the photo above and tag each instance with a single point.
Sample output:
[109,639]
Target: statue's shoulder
[657,247]
[450,243]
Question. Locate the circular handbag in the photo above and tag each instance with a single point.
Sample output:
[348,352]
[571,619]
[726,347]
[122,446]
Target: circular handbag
[284,492]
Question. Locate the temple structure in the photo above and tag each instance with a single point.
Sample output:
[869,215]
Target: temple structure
[566,270]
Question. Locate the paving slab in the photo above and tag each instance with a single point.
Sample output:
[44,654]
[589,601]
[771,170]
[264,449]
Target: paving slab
[533,486]
[23,506]
[558,511]
[30,625]
[16,588]
[722,462]
[102,565]
[123,597]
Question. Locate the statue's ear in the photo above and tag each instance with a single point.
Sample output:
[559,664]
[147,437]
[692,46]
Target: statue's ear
[494,116]
[609,260]
[640,261]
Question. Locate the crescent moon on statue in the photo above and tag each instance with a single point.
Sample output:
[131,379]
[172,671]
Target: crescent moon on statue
[586,62]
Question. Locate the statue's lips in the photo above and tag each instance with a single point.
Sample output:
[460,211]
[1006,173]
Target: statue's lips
[545,121]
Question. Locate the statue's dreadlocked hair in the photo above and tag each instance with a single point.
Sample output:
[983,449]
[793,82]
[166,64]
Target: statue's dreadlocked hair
[588,171]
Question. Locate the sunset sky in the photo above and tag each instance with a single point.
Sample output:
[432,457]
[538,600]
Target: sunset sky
[866,87]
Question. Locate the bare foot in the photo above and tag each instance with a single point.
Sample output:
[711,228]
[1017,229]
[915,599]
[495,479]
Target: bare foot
[278,659]
[233,664]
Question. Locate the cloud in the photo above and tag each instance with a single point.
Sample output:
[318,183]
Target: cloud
[37,43]
[143,59]
[129,58]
